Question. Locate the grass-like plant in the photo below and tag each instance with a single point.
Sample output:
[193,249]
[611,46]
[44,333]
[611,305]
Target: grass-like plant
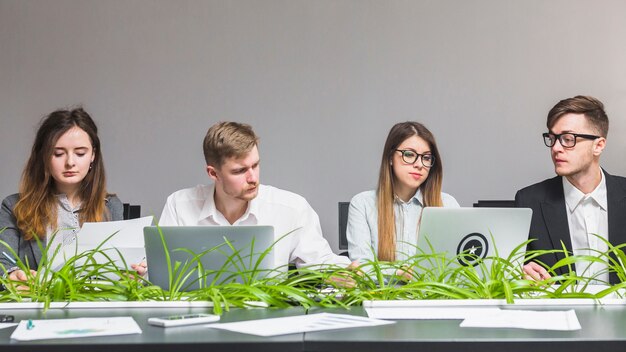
[98,275]
[81,278]
[434,275]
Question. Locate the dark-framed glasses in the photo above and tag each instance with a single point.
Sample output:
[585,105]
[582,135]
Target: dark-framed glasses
[567,140]
[411,156]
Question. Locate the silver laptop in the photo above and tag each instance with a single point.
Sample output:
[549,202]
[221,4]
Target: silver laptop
[468,235]
[186,258]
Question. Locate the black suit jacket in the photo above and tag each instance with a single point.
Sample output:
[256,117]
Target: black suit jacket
[549,221]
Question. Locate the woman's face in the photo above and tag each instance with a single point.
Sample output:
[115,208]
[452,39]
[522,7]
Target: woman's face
[410,176]
[72,156]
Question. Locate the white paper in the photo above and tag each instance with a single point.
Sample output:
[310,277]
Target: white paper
[130,232]
[79,327]
[425,312]
[525,319]
[127,239]
[299,324]
[6,325]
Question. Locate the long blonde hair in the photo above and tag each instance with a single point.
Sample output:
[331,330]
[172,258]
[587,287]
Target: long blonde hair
[385,193]
[36,209]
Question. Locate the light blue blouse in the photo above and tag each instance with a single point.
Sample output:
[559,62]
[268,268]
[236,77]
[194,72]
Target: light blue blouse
[362,231]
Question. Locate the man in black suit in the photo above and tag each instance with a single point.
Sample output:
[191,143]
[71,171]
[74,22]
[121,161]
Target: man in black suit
[583,201]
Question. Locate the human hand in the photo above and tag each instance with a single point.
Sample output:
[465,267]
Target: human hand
[536,272]
[354,266]
[20,275]
[405,273]
[343,279]
[141,268]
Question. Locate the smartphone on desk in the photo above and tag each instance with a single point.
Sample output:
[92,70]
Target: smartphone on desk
[184,319]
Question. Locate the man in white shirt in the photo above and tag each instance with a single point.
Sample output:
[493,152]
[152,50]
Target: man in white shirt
[583,205]
[237,198]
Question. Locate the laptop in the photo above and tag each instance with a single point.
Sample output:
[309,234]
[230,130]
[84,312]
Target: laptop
[469,235]
[201,256]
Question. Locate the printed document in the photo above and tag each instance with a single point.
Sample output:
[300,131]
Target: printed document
[71,328]
[299,324]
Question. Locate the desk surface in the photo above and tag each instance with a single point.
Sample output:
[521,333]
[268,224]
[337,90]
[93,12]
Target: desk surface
[602,328]
[153,338]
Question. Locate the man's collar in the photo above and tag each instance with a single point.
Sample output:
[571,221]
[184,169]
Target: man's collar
[209,210]
[253,206]
[573,196]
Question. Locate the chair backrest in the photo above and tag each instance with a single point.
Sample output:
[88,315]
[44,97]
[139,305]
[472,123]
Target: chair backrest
[131,211]
[495,204]
[343,225]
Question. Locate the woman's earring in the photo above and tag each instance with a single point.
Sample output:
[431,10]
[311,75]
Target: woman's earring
[90,165]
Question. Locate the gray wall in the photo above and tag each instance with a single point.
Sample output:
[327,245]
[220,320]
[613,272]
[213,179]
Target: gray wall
[321,81]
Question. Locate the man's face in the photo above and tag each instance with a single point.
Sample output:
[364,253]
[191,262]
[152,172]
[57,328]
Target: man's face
[581,158]
[238,178]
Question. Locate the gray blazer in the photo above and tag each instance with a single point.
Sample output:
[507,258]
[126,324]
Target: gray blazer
[28,251]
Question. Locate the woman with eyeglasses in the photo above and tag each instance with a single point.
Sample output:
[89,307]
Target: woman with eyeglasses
[384,222]
[63,185]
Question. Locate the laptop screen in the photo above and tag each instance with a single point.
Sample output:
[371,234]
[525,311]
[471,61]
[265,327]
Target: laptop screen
[186,258]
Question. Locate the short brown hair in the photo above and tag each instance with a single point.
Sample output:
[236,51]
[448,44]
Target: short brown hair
[226,140]
[592,108]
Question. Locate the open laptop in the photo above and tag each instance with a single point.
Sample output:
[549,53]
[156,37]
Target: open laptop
[477,232]
[207,255]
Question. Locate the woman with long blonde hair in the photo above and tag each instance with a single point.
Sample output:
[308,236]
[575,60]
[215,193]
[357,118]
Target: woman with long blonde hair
[384,222]
[63,185]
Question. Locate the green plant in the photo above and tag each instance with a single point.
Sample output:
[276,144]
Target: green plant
[96,276]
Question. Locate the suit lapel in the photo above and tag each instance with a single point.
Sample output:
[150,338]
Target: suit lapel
[616,201]
[555,216]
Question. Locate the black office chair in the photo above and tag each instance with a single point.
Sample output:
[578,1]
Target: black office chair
[495,204]
[343,225]
[131,211]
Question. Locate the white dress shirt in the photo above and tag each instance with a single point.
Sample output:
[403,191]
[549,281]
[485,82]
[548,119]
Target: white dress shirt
[362,230]
[587,218]
[283,210]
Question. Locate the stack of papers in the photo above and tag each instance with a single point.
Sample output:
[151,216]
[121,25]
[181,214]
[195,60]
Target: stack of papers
[70,328]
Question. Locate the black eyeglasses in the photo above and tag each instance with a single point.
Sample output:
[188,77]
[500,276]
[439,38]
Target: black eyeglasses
[567,140]
[410,157]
